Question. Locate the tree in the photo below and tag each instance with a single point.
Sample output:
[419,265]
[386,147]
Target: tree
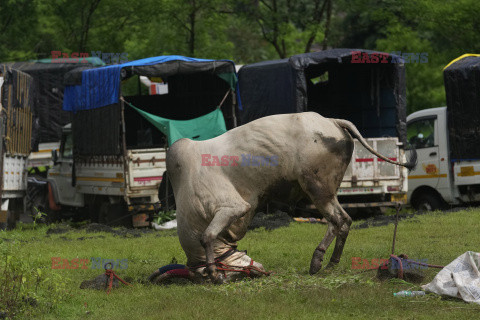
[69,22]
[290,26]
[17,42]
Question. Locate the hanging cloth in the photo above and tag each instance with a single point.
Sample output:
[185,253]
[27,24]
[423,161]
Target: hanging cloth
[205,127]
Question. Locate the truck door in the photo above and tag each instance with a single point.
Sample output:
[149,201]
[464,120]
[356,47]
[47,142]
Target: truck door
[422,134]
[62,173]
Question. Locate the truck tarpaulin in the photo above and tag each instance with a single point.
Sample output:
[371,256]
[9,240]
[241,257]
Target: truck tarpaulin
[48,116]
[333,83]
[462,88]
[196,87]
[101,86]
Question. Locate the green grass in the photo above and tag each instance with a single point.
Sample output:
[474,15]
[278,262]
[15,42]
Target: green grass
[289,293]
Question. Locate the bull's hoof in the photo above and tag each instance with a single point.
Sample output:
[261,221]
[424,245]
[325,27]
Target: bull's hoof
[317,259]
[212,271]
[315,266]
[331,265]
[220,279]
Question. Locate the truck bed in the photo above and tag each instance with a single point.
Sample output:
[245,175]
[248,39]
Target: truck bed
[145,168]
[43,157]
[367,174]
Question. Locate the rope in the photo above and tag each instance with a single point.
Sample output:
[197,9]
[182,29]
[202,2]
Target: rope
[223,100]
[247,269]
[225,255]
[220,266]
[405,257]
[110,274]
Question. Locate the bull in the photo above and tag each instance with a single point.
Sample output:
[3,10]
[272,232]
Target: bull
[217,195]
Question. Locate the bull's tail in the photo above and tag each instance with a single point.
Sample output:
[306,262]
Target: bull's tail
[350,127]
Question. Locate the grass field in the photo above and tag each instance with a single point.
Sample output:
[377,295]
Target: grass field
[35,290]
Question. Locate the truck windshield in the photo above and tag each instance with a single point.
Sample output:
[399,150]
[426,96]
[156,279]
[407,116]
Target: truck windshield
[420,133]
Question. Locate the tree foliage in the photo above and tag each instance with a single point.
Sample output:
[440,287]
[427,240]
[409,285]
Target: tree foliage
[248,31]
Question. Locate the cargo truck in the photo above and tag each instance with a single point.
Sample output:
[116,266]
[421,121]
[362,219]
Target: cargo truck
[16,103]
[112,157]
[447,140]
[335,85]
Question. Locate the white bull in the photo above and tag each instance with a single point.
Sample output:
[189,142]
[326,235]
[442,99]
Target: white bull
[217,190]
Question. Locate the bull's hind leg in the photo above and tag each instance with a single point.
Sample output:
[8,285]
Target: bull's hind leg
[342,234]
[328,211]
[223,218]
[323,197]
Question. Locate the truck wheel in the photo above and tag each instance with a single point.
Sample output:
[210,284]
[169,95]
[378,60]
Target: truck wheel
[428,202]
[162,194]
[114,214]
[11,221]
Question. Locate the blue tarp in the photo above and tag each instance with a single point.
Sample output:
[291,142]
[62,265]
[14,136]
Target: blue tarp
[101,86]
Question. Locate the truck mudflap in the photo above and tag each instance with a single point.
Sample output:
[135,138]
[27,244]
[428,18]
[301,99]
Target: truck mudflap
[141,213]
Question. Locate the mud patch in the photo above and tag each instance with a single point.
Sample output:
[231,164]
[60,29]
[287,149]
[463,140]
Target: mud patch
[382,220]
[95,237]
[97,227]
[163,235]
[59,229]
[120,232]
[270,221]
[101,283]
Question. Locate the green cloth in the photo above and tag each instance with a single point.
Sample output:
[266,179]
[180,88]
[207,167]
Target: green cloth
[229,78]
[205,127]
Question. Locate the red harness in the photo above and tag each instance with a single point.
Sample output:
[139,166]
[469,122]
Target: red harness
[220,266]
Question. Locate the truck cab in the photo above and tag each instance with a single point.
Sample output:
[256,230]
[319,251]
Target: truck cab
[429,184]
[61,174]
[446,140]
[103,189]
[438,180]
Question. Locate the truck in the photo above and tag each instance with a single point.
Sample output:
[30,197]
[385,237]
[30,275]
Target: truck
[446,140]
[103,189]
[335,84]
[111,159]
[16,103]
[47,120]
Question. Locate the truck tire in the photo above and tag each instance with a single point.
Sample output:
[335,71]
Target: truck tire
[37,201]
[428,202]
[162,194]
[114,214]
[11,221]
